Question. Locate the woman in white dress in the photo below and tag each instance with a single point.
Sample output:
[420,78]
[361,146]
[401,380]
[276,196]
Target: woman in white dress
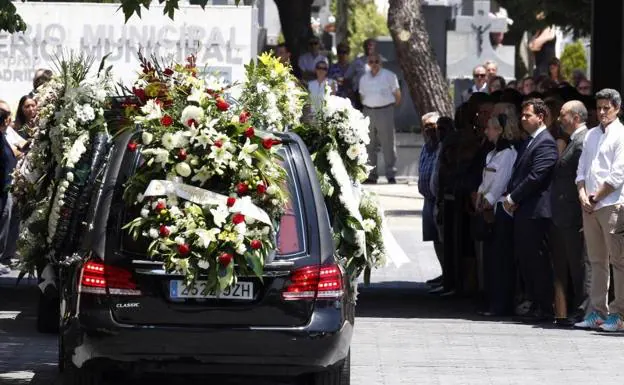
[499,267]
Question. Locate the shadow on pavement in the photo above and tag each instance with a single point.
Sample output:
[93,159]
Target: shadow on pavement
[402,213]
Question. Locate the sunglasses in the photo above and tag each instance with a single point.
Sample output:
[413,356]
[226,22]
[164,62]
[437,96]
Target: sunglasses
[322,68]
[373,62]
[343,52]
[314,43]
[480,75]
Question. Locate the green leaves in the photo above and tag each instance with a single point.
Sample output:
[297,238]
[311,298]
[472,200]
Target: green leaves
[10,21]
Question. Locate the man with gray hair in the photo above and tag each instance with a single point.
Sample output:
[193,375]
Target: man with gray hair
[426,170]
[380,93]
[600,182]
[565,236]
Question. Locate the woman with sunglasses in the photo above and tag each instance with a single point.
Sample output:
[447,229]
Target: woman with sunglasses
[320,87]
[308,61]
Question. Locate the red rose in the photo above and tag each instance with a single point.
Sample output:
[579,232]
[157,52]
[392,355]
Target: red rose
[191,123]
[184,249]
[182,154]
[231,201]
[261,188]
[164,231]
[160,206]
[132,146]
[242,188]
[225,259]
[244,117]
[139,93]
[256,244]
[218,143]
[267,143]
[166,120]
[250,132]
[238,218]
[222,105]
[168,72]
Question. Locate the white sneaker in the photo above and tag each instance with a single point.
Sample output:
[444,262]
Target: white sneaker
[614,323]
[4,269]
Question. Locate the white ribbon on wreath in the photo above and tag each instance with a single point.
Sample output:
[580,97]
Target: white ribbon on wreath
[205,197]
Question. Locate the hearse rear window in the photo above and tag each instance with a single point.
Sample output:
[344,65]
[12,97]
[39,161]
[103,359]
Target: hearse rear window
[290,238]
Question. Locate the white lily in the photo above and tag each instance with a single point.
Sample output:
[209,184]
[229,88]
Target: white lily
[246,151]
[220,214]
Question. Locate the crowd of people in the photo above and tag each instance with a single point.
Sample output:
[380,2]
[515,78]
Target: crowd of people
[371,88]
[16,134]
[524,202]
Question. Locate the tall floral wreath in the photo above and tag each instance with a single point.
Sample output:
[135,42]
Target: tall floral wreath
[211,188]
[337,138]
[51,184]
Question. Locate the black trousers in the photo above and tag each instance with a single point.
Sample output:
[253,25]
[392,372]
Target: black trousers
[458,244]
[499,265]
[566,249]
[534,261]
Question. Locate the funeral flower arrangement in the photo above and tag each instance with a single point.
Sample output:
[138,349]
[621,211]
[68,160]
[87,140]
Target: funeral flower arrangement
[210,189]
[272,95]
[50,179]
[337,138]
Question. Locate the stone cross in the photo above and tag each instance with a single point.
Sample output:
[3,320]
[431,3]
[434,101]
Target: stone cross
[469,44]
[480,24]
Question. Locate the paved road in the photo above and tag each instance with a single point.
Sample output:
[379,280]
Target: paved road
[403,336]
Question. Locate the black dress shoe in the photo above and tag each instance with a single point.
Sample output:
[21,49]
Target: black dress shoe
[391,181]
[564,323]
[435,281]
[535,317]
[437,290]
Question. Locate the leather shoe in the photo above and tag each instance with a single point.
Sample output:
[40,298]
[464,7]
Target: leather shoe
[535,317]
[437,290]
[437,280]
[391,181]
[564,323]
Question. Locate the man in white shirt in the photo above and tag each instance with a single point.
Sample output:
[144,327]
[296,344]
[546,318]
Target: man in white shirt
[307,62]
[600,182]
[380,93]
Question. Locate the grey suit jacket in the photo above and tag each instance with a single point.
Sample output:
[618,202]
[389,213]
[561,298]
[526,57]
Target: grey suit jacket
[566,208]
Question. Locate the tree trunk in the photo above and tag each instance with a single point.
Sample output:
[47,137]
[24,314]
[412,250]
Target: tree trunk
[342,20]
[295,16]
[427,86]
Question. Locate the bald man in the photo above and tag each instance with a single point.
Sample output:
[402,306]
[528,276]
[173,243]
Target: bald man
[566,238]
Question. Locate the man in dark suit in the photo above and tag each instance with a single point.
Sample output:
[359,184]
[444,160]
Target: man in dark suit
[528,200]
[8,161]
[565,235]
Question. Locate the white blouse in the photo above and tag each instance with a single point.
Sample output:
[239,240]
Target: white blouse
[497,173]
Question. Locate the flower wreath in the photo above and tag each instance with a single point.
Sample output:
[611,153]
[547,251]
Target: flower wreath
[51,183]
[337,138]
[211,188]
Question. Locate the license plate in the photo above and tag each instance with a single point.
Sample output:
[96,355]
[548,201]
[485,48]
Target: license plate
[241,290]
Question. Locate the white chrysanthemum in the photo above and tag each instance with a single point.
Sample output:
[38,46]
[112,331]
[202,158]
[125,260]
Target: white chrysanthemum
[153,233]
[183,169]
[191,113]
[368,225]
[144,213]
[160,155]
[353,152]
[147,138]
